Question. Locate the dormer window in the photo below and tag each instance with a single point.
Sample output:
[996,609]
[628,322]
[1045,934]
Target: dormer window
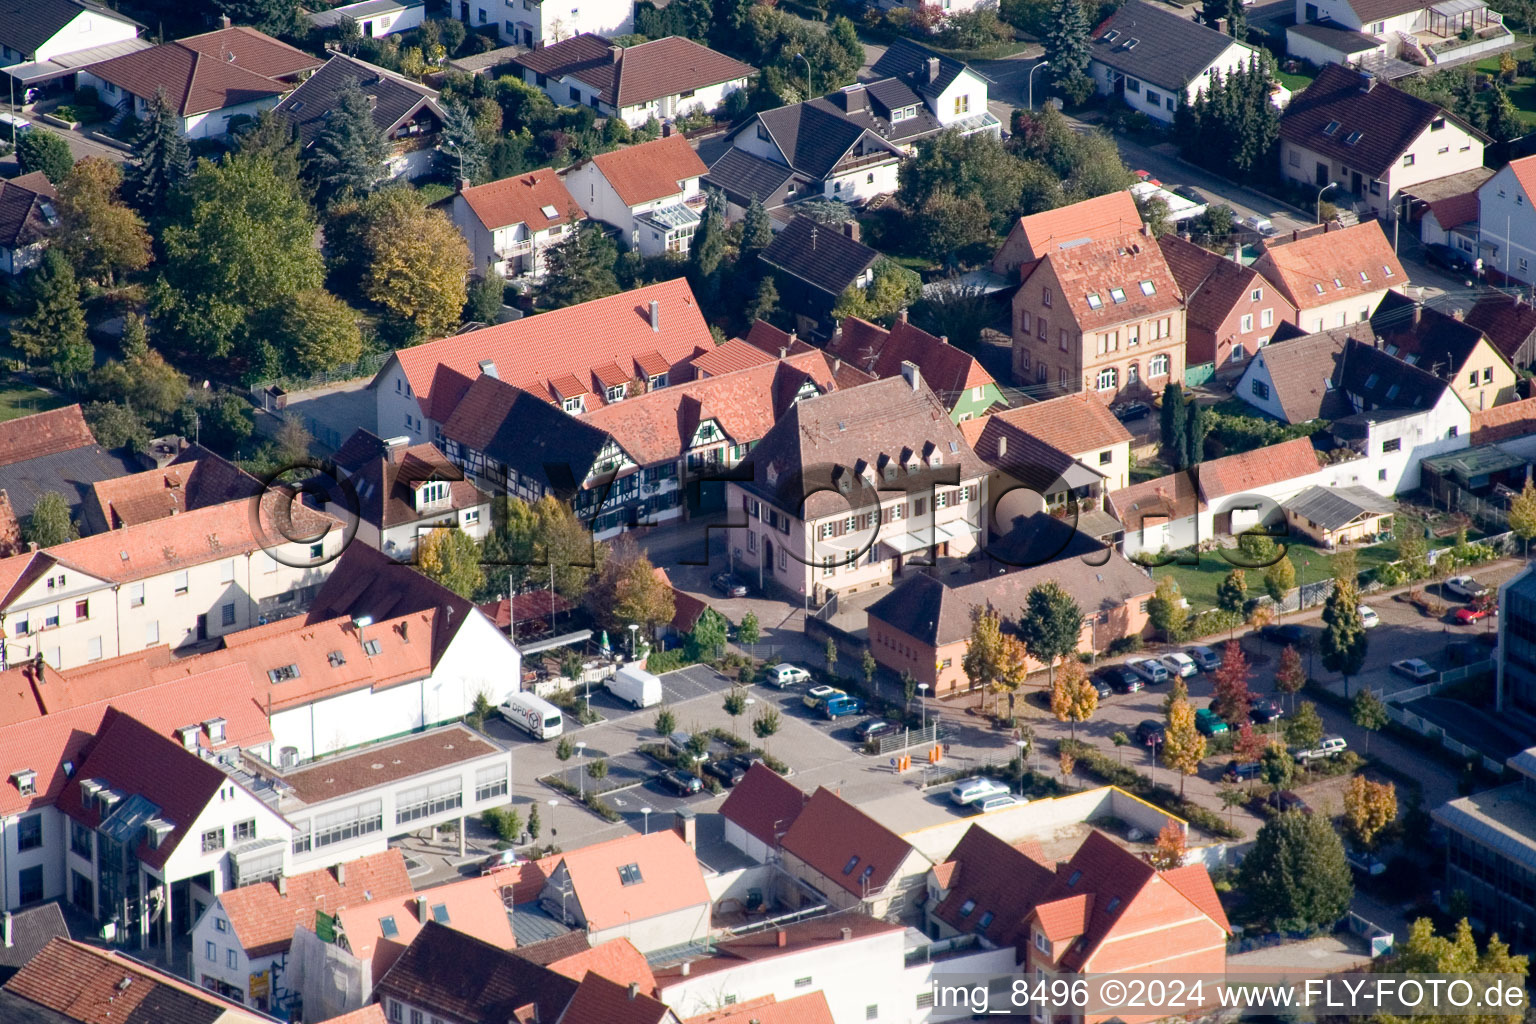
[574,406]
[433,492]
[215,727]
[617,392]
[26,781]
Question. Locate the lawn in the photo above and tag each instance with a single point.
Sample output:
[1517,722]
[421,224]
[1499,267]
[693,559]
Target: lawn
[23,400]
[1522,92]
[1295,83]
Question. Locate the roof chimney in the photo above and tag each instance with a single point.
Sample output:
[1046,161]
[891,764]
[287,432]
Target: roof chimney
[685,968]
[655,315]
[1002,446]
[634,989]
[943,339]
[341,874]
[783,352]
[1367,81]
[913,375]
[1418,313]
[392,449]
[932,70]
[1458,313]
[224,21]
[782,937]
[421,909]
[901,314]
[837,364]
[282,885]
[855,98]
[686,827]
[851,229]
[5,930]
[488,368]
[614,52]
[847,933]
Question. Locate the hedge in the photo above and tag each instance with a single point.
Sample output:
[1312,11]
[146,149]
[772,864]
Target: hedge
[1109,770]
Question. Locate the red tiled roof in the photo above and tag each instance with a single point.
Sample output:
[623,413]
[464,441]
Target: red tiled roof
[1507,323]
[1111,214]
[627,76]
[1098,267]
[1247,470]
[263,918]
[521,199]
[770,339]
[1074,424]
[686,608]
[810,1008]
[373,1013]
[198,480]
[671,879]
[1194,882]
[44,433]
[209,72]
[43,745]
[995,879]
[1066,918]
[1333,262]
[660,425]
[1168,497]
[86,985]
[1454,211]
[830,832]
[617,960]
[736,354]
[564,343]
[652,170]
[386,483]
[1524,171]
[532,606]
[1504,422]
[764,804]
[946,369]
[788,940]
[474,907]
[601,1001]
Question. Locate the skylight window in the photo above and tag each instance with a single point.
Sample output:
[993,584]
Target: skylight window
[1112,35]
[986,919]
[549,211]
[1354,137]
[1094,302]
[1372,380]
[629,874]
[869,871]
[1391,350]
[1364,277]
[1148,288]
[283,673]
[1076,876]
[1412,359]
[1386,270]
[1393,390]
[1337,283]
[388,928]
[371,648]
[1114,904]
[440,913]
[967,907]
[1319,288]
[853,862]
[1118,294]
[1330,127]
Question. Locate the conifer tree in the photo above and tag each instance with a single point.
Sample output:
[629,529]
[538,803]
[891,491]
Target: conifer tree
[1066,41]
[349,151]
[161,153]
[53,328]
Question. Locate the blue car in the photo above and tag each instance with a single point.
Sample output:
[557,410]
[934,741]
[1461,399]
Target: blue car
[837,707]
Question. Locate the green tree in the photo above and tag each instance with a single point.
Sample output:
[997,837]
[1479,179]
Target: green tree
[544,541]
[451,557]
[1166,610]
[1051,625]
[274,17]
[1183,745]
[464,152]
[831,656]
[1154,214]
[666,722]
[1344,641]
[1277,767]
[1066,41]
[1522,514]
[117,426]
[978,166]
[1231,797]
[765,304]
[709,243]
[102,236]
[417,262]
[1504,123]
[597,770]
[1228,14]
[956,310]
[485,299]
[240,242]
[1174,424]
[947,223]
[52,330]
[1369,807]
[750,631]
[868,664]
[892,288]
[1369,713]
[628,591]
[271,135]
[708,635]
[349,151]
[161,155]
[535,826]
[579,269]
[756,230]
[1304,730]
[50,521]
[313,332]
[43,150]
[766,724]
[143,380]
[564,749]
[1121,741]
[1296,876]
[1422,951]
[982,663]
[1232,592]
[1196,426]
[735,705]
[1279,578]
[908,687]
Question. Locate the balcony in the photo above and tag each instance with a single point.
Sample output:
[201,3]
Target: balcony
[521,247]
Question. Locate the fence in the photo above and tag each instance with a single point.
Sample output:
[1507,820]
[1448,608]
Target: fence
[1380,938]
[1198,374]
[1429,730]
[366,366]
[908,738]
[939,776]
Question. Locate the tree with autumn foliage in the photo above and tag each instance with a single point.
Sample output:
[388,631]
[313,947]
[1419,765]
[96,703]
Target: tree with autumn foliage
[1183,745]
[1248,745]
[1424,952]
[1170,848]
[1291,676]
[987,656]
[1074,698]
[1369,807]
[629,591]
[1232,696]
[449,556]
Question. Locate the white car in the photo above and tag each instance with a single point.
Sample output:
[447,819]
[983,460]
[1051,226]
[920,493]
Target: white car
[1368,617]
[1180,664]
[1464,587]
[786,675]
[1263,225]
[1416,669]
[1151,671]
[997,803]
[976,790]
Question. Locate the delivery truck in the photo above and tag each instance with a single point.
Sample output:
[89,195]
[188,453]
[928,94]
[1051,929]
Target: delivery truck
[534,715]
[634,685]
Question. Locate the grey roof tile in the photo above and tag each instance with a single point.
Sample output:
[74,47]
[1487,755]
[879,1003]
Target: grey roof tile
[1157,46]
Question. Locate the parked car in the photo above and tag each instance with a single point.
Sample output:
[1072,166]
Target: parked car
[1447,258]
[1368,617]
[841,704]
[786,675]
[1180,664]
[1243,771]
[1464,587]
[1327,747]
[1102,688]
[874,729]
[1126,411]
[1416,669]
[727,585]
[745,761]
[1263,225]
[1149,670]
[816,694]
[499,861]
[1263,710]
[1209,722]
[997,803]
[1150,733]
[1365,862]
[680,782]
[1468,615]
[1206,658]
[1287,633]
[728,772]
[976,789]
[1191,193]
[1288,800]
[1120,678]
[680,742]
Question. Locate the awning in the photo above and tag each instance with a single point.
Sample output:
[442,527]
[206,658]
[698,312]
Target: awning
[954,531]
[1451,8]
[906,543]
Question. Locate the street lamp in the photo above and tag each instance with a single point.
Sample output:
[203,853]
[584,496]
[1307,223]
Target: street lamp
[552,830]
[1031,77]
[922,702]
[457,152]
[646,818]
[581,755]
[634,629]
[1320,192]
[1023,745]
[810,90]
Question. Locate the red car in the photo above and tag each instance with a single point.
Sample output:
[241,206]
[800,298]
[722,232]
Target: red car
[1467,616]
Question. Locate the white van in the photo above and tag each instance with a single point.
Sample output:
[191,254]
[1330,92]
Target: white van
[973,790]
[13,122]
[636,686]
[534,715]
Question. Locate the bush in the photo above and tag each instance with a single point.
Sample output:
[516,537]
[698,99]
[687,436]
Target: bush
[599,807]
[505,823]
[666,661]
[1125,645]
